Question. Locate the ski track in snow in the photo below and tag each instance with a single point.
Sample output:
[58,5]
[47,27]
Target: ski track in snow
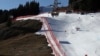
[79,35]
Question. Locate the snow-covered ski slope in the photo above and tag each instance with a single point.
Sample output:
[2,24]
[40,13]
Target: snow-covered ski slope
[78,35]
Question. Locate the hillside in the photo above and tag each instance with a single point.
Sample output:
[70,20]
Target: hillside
[20,39]
[25,45]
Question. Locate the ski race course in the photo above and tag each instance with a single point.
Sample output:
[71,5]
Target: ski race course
[71,34]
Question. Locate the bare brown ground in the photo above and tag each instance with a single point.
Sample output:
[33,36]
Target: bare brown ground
[27,45]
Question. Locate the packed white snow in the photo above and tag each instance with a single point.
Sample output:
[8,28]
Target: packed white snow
[79,35]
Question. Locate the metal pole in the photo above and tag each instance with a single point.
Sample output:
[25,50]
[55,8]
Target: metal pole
[55,4]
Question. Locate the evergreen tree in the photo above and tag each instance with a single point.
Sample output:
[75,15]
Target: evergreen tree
[27,8]
[86,5]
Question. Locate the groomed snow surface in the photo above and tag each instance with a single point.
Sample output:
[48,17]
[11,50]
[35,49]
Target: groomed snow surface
[79,35]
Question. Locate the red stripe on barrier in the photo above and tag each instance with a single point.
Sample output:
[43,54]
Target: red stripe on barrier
[54,38]
[55,51]
[51,44]
[57,42]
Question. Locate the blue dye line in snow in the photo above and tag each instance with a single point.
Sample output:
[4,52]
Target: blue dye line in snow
[64,42]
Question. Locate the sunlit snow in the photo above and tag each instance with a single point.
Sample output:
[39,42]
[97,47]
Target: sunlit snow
[79,34]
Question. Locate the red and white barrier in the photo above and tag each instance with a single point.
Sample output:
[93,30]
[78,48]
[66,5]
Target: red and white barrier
[55,45]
